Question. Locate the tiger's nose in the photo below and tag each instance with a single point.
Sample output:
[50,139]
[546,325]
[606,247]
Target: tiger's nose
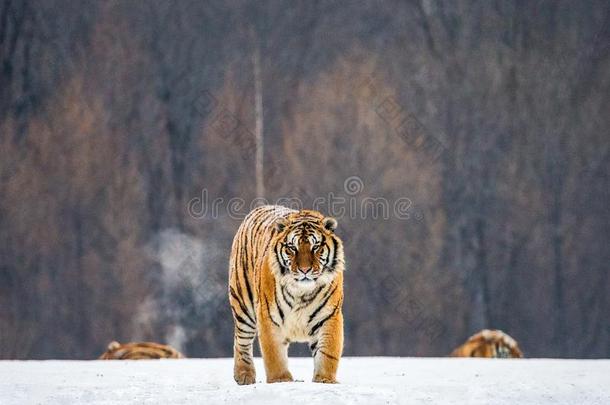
[305,270]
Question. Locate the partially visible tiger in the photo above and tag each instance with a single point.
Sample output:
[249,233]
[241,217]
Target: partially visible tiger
[139,351]
[489,343]
[286,285]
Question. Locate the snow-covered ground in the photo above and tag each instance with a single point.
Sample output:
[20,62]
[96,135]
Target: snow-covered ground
[378,380]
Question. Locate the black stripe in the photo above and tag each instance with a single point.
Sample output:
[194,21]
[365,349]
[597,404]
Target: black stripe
[278,288]
[277,304]
[280,259]
[314,313]
[328,355]
[239,331]
[245,331]
[247,283]
[309,297]
[269,312]
[287,292]
[242,320]
[241,306]
[258,222]
[307,220]
[256,215]
[323,321]
[325,255]
[238,267]
[266,248]
[284,292]
[334,252]
[245,357]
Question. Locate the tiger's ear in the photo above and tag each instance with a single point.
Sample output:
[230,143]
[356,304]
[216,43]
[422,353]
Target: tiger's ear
[330,223]
[113,345]
[281,224]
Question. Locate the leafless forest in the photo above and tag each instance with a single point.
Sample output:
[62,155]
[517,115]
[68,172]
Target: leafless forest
[122,121]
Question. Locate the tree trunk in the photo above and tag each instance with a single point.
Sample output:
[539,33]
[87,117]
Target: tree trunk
[258,108]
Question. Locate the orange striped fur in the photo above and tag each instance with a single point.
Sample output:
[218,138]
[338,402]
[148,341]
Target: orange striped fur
[286,285]
[489,343]
[139,351]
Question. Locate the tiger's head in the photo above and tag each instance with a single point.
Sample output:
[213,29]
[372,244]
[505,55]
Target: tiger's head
[306,250]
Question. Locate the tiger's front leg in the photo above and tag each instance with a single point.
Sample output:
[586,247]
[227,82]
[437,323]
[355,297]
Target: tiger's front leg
[327,347]
[273,347]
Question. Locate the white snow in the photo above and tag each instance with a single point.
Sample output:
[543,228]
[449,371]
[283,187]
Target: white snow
[376,380]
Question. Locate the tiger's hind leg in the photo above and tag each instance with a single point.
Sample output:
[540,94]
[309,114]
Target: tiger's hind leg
[244,333]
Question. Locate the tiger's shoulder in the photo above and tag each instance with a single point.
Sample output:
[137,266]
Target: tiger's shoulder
[255,232]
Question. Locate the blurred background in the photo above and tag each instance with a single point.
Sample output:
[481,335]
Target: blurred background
[124,123]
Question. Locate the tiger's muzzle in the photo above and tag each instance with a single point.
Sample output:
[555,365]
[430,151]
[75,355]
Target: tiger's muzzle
[305,275]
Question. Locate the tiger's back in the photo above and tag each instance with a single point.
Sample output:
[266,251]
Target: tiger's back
[139,351]
[490,344]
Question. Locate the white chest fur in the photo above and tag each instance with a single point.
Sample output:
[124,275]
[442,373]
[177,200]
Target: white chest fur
[298,303]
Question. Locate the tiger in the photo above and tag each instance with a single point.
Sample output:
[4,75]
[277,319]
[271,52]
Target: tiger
[491,344]
[139,351]
[286,285]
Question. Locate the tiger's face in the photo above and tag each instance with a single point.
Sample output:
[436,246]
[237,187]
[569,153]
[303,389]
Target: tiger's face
[307,250]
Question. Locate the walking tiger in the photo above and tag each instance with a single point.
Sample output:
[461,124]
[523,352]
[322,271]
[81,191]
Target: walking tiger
[286,285]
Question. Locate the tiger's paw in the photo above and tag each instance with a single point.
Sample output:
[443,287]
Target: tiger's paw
[283,377]
[245,376]
[324,380]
